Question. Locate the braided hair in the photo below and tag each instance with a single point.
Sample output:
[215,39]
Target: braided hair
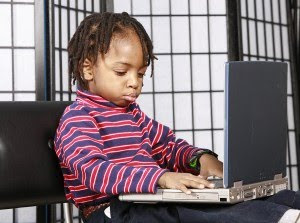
[93,36]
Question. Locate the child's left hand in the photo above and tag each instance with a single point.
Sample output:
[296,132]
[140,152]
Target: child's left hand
[210,166]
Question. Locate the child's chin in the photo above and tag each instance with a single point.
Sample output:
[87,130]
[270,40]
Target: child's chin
[123,103]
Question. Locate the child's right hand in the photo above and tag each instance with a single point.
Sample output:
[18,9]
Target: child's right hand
[183,181]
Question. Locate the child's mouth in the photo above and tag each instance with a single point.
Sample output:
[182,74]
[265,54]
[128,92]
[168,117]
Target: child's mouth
[131,97]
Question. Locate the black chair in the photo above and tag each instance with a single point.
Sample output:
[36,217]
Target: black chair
[29,169]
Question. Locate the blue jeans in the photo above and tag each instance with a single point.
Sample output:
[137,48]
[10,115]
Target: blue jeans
[265,210]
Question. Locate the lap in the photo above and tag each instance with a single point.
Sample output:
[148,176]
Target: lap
[269,210]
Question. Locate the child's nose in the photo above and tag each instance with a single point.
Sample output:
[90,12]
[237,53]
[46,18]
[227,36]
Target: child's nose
[132,81]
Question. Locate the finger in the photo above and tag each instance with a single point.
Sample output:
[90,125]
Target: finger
[202,177]
[193,184]
[210,185]
[207,183]
[184,189]
[204,182]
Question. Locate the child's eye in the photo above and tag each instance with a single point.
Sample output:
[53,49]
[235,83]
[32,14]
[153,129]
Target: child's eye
[120,73]
[141,75]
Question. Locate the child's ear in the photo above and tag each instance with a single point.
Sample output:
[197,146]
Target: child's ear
[87,70]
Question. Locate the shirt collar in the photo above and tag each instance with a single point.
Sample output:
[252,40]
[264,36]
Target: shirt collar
[97,101]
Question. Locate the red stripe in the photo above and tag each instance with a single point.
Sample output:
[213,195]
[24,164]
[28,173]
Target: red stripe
[84,167]
[80,139]
[114,136]
[105,178]
[129,180]
[122,160]
[94,175]
[79,118]
[118,180]
[122,148]
[69,177]
[75,164]
[140,182]
[85,199]
[153,181]
[77,188]
[81,130]
[158,134]
[141,164]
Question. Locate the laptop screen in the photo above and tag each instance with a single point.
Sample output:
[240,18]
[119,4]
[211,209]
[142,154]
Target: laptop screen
[255,121]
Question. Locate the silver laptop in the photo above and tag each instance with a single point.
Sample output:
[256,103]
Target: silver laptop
[255,138]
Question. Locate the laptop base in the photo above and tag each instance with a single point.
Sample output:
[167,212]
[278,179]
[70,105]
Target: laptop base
[236,194]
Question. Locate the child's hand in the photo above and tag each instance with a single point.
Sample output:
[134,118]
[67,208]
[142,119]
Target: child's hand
[210,166]
[183,181]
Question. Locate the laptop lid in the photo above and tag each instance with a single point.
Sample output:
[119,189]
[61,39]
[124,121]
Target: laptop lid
[255,121]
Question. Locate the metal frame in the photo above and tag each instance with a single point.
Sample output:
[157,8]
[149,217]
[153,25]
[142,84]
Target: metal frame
[44,213]
[106,5]
[42,46]
[68,212]
[234,30]
[51,60]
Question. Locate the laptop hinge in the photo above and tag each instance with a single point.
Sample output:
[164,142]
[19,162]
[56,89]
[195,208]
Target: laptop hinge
[238,184]
[278,176]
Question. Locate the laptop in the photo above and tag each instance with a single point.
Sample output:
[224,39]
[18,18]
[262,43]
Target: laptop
[255,134]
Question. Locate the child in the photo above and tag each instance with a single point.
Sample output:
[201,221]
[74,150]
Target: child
[106,145]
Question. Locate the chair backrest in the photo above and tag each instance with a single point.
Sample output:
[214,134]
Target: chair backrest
[29,169]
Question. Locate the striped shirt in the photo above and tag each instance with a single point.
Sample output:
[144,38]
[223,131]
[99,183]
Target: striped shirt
[105,150]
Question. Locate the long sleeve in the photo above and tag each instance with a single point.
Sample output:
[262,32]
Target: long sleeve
[80,149]
[170,153]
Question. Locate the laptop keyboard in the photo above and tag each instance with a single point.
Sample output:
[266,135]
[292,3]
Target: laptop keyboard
[218,182]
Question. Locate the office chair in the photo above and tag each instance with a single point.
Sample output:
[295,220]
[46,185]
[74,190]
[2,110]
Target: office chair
[29,170]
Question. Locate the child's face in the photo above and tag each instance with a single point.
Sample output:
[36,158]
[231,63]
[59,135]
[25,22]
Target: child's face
[118,75]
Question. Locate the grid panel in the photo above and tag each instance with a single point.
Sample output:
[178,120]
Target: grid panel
[264,30]
[190,41]
[17,51]
[67,15]
[17,75]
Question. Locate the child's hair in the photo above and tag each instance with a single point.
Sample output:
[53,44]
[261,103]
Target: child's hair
[93,36]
